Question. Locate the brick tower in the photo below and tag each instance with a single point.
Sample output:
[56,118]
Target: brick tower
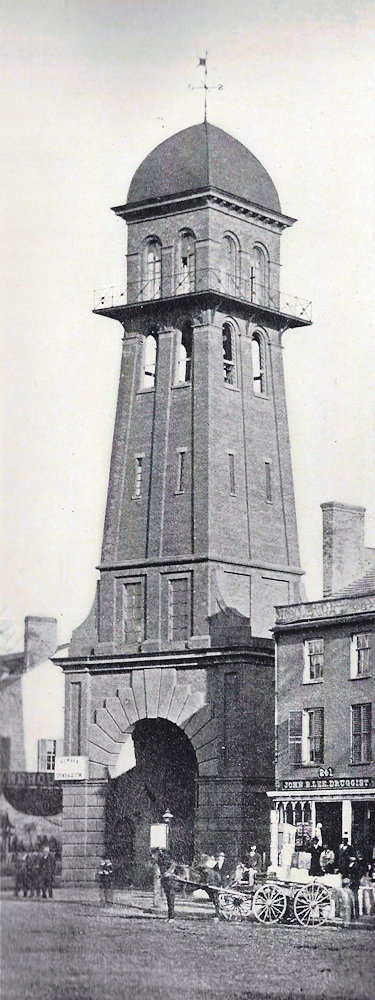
[200,537]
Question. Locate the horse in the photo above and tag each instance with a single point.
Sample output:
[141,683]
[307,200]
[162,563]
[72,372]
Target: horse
[176,877]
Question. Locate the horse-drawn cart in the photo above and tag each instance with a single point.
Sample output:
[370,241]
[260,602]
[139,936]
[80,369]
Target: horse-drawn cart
[284,894]
[273,899]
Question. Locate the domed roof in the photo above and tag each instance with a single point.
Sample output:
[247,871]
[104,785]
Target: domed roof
[199,157]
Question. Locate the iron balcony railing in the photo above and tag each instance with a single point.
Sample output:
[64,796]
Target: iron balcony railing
[205,279]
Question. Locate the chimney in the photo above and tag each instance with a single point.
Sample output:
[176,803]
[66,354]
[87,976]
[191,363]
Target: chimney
[40,640]
[343,545]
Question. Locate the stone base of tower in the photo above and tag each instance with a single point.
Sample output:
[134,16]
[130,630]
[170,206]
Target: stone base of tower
[84,809]
[233,814]
[201,723]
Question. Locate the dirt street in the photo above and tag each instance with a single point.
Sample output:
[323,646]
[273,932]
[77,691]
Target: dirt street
[78,950]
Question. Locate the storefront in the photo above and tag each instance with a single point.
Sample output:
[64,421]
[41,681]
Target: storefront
[341,805]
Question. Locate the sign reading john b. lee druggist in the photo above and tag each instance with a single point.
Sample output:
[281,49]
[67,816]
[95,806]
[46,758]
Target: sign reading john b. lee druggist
[326,783]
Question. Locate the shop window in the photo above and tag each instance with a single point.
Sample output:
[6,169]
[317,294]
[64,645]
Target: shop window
[297,813]
[361,734]
[313,736]
[151,277]
[229,355]
[133,612]
[149,363]
[184,353]
[258,359]
[313,661]
[178,608]
[186,264]
[48,750]
[360,656]
[289,817]
[229,266]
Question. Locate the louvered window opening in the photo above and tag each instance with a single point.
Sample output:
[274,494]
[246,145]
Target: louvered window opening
[229,365]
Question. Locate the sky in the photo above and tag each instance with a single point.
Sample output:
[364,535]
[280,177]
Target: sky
[89,88]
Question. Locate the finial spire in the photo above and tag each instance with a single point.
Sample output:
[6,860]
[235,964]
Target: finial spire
[204,86]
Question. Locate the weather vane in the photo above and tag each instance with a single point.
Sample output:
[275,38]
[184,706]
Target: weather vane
[204,86]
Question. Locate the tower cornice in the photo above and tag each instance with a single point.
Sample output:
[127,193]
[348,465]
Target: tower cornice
[209,197]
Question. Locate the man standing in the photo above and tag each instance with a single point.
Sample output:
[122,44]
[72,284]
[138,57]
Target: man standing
[105,880]
[315,851]
[327,860]
[343,858]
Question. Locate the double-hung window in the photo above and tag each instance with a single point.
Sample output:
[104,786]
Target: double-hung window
[306,736]
[313,736]
[361,734]
[314,661]
[360,655]
[48,750]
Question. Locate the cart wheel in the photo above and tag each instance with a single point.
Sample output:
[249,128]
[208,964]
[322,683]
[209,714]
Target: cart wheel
[234,907]
[269,904]
[312,905]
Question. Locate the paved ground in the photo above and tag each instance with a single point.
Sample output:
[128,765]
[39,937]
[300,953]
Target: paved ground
[71,948]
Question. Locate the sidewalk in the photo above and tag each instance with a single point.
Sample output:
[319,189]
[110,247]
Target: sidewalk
[135,902]
[138,903]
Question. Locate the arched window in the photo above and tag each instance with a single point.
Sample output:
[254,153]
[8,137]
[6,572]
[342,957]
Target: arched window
[289,814]
[259,369]
[229,354]
[298,813]
[186,263]
[151,277]
[149,362]
[229,266]
[259,277]
[184,353]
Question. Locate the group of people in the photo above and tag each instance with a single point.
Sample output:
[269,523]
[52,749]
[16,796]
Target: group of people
[35,872]
[349,863]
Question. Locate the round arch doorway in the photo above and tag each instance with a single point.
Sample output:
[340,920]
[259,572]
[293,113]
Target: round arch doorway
[164,777]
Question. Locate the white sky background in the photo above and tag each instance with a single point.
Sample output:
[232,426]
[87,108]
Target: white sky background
[90,87]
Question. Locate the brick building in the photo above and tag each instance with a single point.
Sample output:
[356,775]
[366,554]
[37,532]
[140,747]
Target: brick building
[32,730]
[200,537]
[325,770]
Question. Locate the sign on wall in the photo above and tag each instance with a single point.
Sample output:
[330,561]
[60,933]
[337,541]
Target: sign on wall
[159,836]
[307,784]
[71,768]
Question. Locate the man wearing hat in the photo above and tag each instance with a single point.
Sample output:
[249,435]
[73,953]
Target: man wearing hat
[343,857]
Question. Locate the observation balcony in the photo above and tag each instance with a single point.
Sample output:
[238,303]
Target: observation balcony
[262,300]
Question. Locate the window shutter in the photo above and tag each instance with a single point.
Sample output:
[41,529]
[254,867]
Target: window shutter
[59,748]
[282,738]
[5,753]
[42,755]
[366,732]
[295,737]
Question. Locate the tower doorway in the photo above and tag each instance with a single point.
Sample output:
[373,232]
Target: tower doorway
[164,777]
